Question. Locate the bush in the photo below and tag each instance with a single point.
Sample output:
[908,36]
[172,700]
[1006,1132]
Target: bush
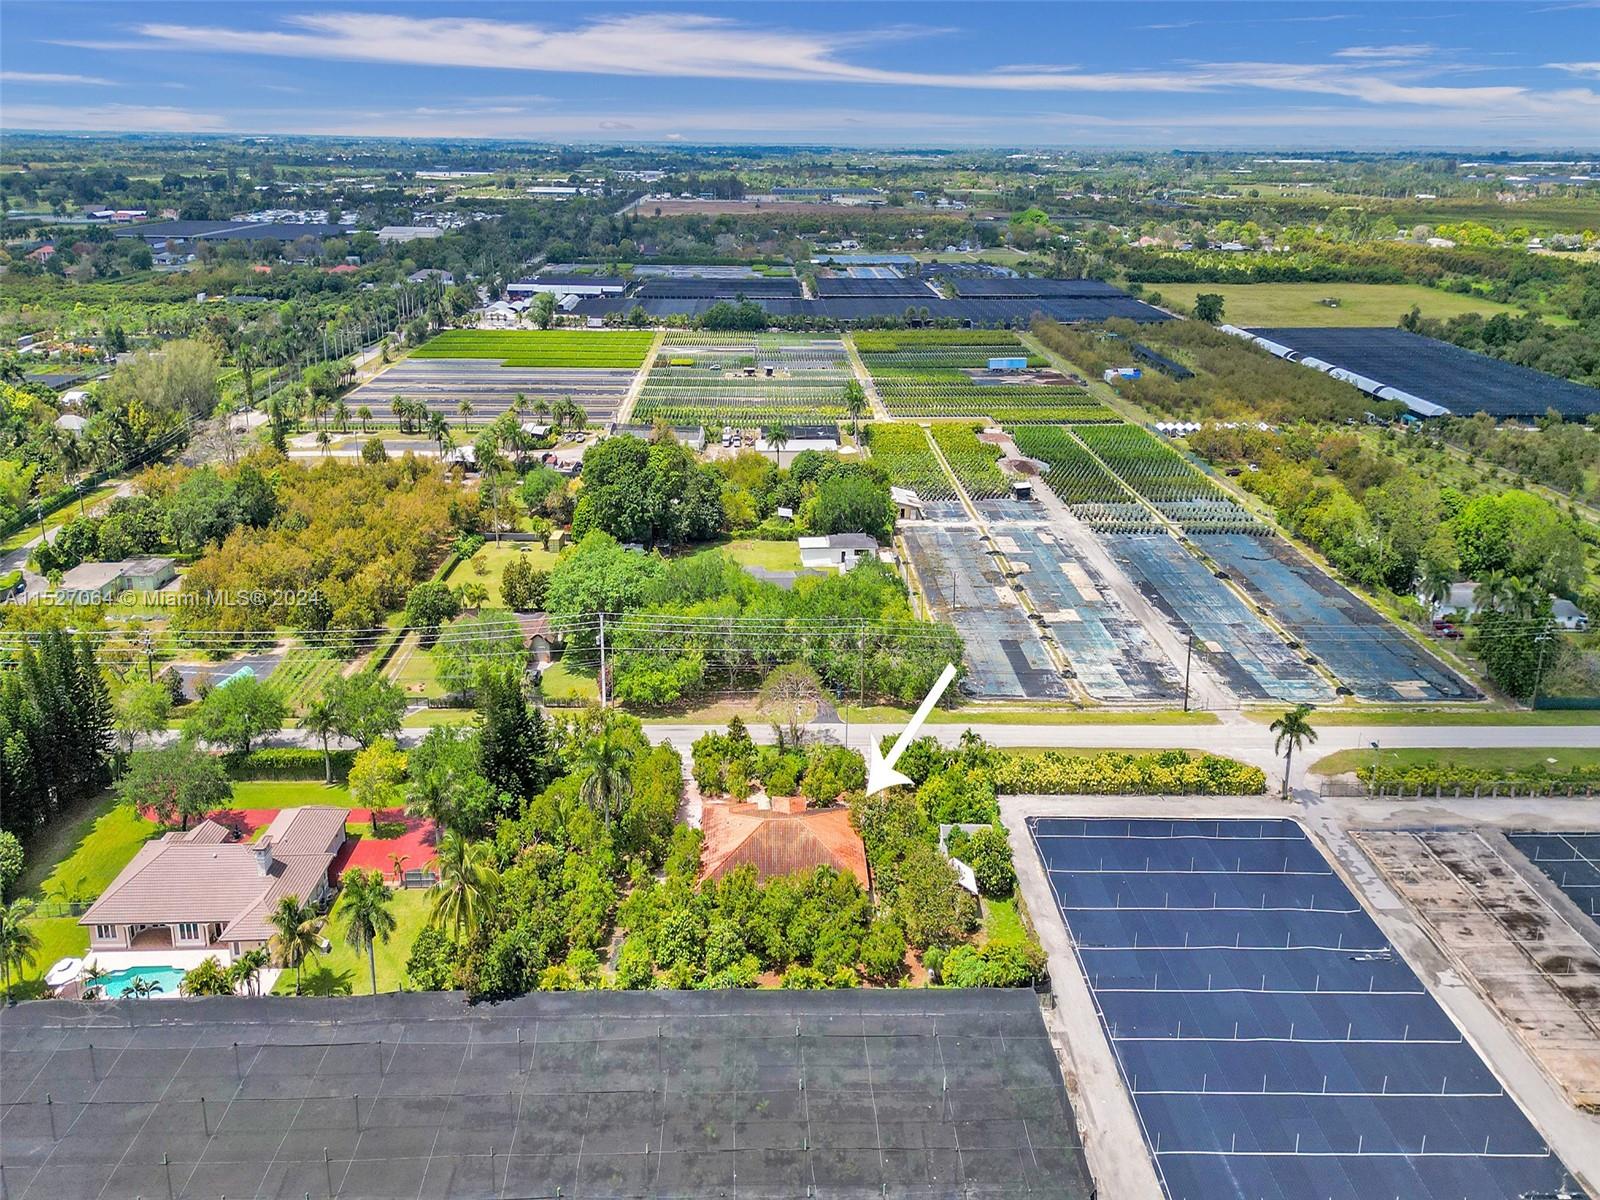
[989,855]
[287,762]
[1006,963]
[883,952]
[804,979]
[431,967]
[11,860]
[1169,772]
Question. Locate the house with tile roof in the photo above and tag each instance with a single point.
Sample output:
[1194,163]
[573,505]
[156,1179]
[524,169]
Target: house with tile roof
[200,889]
[780,840]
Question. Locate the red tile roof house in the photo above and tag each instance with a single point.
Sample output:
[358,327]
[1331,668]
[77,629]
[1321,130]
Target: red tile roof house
[780,840]
[200,891]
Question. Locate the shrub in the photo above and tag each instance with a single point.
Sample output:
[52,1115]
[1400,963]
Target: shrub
[804,979]
[431,967]
[11,860]
[1170,772]
[989,855]
[286,762]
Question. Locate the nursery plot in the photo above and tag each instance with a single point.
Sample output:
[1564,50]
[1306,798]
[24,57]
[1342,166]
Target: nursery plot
[1005,657]
[903,451]
[724,379]
[972,461]
[940,373]
[1159,473]
[1253,661]
[1112,654]
[541,347]
[490,389]
[1357,643]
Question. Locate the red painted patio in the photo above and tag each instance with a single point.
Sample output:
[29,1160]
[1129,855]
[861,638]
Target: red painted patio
[418,845]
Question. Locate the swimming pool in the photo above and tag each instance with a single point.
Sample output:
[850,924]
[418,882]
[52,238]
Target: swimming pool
[168,978]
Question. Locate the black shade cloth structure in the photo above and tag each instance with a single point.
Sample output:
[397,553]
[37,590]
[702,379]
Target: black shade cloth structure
[1461,380]
[1275,1044]
[902,1093]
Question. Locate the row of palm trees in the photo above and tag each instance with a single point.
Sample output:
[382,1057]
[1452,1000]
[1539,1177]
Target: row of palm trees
[563,413]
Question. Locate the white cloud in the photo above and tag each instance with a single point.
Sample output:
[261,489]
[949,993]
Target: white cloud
[54,77]
[112,118]
[1404,53]
[1576,68]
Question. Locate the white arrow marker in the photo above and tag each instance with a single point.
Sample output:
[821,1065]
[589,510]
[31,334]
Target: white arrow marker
[880,770]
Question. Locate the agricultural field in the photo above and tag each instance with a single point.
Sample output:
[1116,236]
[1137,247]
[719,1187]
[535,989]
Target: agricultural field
[302,675]
[474,391]
[722,379]
[1358,304]
[541,347]
[944,373]
[1073,474]
[1160,475]
[972,461]
[903,451]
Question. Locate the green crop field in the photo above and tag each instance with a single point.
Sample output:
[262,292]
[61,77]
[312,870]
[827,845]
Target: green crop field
[302,675]
[903,451]
[972,461]
[1073,474]
[541,347]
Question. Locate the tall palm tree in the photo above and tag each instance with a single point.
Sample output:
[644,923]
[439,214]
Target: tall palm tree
[1436,584]
[1522,598]
[364,415]
[1294,731]
[778,438]
[364,904]
[855,403]
[464,408]
[467,881]
[603,762]
[298,935]
[18,942]
[321,719]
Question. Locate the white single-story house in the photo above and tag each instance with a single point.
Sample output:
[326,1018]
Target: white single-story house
[427,273]
[93,583]
[836,552]
[806,437]
[408,233]
[202,890]
[72,423]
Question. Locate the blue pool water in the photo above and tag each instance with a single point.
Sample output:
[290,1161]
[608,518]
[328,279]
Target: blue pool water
[168,977]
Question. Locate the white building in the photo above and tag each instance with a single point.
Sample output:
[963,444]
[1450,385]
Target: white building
[408,233]
[836,552]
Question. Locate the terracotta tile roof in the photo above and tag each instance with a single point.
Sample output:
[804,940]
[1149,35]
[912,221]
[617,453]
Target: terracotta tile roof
[779,843]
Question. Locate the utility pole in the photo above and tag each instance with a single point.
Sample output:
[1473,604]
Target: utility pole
[1188,657]
[602,660]
[1543,640]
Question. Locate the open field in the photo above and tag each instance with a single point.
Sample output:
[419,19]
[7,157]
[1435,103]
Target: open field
[1301,303]
[287,793]
[769,556]
[493,559]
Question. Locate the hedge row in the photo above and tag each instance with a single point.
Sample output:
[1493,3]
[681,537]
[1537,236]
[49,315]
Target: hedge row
[287,762]
[1111,773]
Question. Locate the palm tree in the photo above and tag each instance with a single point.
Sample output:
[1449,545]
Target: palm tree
[402,413]
[246,970]
[467,880]
[364,415]
[90,986]
[1294,731]
[1522,598]
[603,762]
[464,408]
[1436,584]
[398,862]
[855,403]
[1492,591]
[321,718]
[364,905]
[324,440]
[298,936]
[140,988]
[437,428]
[18,942]
[778,438]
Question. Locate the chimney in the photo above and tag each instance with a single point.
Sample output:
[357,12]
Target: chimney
[263,852]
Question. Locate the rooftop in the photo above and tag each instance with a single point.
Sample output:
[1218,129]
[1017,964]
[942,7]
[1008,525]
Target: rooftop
[778,842]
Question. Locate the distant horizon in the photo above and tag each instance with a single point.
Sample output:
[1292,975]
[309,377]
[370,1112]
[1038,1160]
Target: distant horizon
[1412,76]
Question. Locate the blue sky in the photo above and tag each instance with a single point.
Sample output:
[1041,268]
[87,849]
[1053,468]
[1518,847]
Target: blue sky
[1292,73]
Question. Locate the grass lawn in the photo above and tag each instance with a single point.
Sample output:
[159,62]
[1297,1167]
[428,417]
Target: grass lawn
[1480,758]
[882,714]
[770,556]
[343,970]
[287,793]
[79,857]
[561,682]
[59,518]
[1002,922]
[59,937]
[415,670]
[1292,304]
[427,718]
[1433,716]
[493,559]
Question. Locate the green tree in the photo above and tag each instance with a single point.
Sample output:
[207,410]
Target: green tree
[364,903]
[375,778]
[321,720]
[366,706]
[237,713]
[142,707]
[245,971]
[18,942]
[431,604]
[513,744]
[466,885]
[1293,730]
[179,783]
[11,860]
[1208,307]
[297,936]
[602,763]
[778,438]
[851,500]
